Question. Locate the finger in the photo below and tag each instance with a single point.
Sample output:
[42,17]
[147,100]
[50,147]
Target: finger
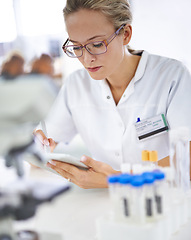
[63,173]
[88,161]
[52,144]
[76,176]
[66,167]
[97,166]
[42,137]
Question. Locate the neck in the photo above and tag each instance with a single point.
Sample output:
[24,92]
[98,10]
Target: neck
[121,78]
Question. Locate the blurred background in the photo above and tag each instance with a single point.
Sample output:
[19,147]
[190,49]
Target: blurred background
[34,31]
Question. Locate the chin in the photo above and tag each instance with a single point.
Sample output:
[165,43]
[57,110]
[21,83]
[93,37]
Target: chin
[96,76]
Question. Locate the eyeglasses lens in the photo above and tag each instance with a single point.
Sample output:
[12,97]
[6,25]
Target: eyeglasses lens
[94,48]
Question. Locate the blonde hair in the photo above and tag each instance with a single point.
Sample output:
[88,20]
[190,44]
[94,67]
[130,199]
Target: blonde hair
[118,12]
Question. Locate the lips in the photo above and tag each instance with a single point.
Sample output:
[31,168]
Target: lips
[94,69]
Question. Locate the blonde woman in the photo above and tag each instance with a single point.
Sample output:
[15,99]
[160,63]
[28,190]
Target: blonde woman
[116,88]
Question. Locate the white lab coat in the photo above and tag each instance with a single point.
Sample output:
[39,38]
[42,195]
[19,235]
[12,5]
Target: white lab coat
[86,106]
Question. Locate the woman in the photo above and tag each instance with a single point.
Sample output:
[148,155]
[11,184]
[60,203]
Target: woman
[116,89]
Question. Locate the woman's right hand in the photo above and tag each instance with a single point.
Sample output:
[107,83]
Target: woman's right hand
[49,142]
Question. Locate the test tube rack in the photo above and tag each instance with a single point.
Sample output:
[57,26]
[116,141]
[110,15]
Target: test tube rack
[162,228]
[108,229]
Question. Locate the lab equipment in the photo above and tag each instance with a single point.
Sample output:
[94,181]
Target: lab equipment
[114,191]
[138,208]
[135,198]
[156,209]
[125,197]
[43,125]
[23,103]
[67,158]
[149,159]
[145,157]
[161,203]
[153,157]
[159,191]
[180,157]
[126,168]
[150,205]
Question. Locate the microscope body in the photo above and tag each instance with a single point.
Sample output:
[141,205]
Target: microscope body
[24,102]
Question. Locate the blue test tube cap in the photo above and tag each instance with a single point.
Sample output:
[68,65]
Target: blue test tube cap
[158,175]
[137,181]
[125,178]
[113,179]
[149,177]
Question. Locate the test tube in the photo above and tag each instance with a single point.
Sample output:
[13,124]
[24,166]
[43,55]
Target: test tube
[159,191]
[145,157]
[137,168]
[113,182]
[124,203]
[169,181]
[153,158]
[150,207]
[137,197]
[126,168]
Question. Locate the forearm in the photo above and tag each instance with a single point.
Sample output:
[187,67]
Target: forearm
[165,162]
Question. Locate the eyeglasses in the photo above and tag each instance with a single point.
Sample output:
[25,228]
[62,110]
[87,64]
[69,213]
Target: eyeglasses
[94,48]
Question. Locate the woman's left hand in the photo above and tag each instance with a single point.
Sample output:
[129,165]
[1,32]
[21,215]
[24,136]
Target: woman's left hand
[94,177]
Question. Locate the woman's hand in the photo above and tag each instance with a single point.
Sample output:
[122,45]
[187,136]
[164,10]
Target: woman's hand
[44,140]
[94,177]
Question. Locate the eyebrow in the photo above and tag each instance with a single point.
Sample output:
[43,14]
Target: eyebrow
[88,39]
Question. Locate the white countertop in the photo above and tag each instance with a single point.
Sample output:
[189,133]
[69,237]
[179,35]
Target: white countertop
[73,214]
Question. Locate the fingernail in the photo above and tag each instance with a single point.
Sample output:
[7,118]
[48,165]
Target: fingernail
[52,162]
[83,159]
[46,142]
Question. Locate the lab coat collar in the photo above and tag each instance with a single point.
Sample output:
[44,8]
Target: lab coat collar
[140,69]
[106,92]
[141,66]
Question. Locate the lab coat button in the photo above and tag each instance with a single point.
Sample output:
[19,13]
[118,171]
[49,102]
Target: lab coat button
[108,97]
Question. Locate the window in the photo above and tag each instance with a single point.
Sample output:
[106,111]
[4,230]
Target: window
[42,17]
[7,21]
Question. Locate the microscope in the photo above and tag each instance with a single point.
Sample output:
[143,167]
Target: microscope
[24,102]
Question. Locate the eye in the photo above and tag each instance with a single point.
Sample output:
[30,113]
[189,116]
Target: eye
[98,45]
[76,48]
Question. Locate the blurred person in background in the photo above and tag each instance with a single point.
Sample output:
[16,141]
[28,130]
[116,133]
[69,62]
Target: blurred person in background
[13,67]
[43,65]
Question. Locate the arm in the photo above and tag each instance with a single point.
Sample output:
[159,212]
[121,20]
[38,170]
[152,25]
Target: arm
[165,162]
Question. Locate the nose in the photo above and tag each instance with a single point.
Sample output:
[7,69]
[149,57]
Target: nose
[88,57]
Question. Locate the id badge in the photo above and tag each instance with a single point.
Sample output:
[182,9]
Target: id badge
[151,126]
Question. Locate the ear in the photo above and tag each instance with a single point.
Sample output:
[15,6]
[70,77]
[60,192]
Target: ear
[127,34]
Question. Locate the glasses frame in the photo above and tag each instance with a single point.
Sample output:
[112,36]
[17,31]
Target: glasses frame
[105,42]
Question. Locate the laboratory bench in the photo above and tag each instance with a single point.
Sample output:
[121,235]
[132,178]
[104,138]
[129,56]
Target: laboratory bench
[73,215]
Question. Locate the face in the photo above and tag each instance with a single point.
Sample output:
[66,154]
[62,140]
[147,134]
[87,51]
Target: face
[86,26]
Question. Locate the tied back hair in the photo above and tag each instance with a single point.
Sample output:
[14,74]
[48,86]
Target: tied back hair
[118,12]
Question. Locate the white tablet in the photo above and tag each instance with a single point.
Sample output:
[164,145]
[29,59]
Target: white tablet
[66,158]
